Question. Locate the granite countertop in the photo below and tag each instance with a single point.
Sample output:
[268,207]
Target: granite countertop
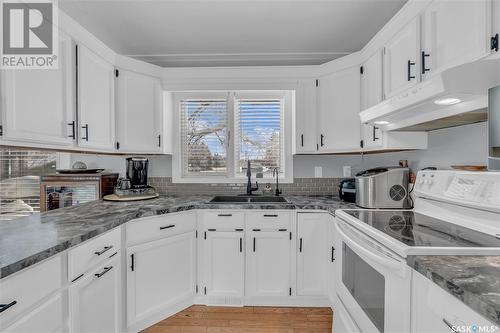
[475,280]
[28,240]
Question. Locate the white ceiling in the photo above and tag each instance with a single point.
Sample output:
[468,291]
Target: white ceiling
[189,33]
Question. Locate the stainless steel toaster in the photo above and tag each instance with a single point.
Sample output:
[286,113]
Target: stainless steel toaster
[385,187]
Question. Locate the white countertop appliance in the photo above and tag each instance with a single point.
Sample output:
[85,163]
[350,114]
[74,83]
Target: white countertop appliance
[456,212]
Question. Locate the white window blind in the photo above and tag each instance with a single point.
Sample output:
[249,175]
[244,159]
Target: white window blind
[204,128]
[20,172]
[259,123]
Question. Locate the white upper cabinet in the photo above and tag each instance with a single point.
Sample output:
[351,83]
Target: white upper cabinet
[268,263]
[224,266]
[371,81]
[96,100]
[338,111]
[401,59]
[39,104]
[138,113]
[454,33]
[305,118]
[312,256]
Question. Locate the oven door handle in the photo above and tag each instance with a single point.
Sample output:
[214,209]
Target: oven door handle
[381,258]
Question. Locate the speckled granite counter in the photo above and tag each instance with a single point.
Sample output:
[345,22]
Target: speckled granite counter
[475,280]
[28,240]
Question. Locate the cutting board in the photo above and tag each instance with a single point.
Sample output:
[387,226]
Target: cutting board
[114,197]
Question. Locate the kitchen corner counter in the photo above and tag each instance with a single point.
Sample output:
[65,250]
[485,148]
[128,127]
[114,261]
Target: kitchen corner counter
[29,240]
[475,280]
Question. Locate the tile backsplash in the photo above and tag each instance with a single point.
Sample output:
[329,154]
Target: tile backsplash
[300,186]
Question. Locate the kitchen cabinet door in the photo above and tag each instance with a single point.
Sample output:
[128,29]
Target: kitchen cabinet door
[138,115]
[313,254]
[160,274]
[48,317]
[39,103]
[401,59]
[371,81]
[95,299]
[306,138]
[96,100]
[268,264]
[454,33]
[339,107]
[224,264]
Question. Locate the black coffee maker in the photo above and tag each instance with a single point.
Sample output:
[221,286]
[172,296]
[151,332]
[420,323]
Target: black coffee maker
[137,172]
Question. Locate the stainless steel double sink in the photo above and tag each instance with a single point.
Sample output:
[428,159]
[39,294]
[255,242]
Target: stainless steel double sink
[247,199]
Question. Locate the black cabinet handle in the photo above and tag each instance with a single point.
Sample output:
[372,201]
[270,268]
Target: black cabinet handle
[375,138]
[167,226]
[4,307]
[106,269]
[321,140]
[302,140]
[159,140]
[86,127]
[300,244]
[270,215]
[423,56]
[410,63]
[72,124]
[333,254]
[241,244]
[254,244]
[106,248]
[132,262]
[494,43]
[225,215]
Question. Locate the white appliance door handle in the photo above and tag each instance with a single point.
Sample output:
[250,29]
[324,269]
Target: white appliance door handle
[384,260]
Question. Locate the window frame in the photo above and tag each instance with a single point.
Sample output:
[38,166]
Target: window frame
[232,151]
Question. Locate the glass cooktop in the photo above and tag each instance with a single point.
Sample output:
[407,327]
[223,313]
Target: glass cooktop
[414,229]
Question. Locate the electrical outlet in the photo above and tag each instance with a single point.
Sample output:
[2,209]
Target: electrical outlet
[318,172]
[347,171]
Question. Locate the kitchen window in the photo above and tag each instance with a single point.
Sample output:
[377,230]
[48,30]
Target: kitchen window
[219,132]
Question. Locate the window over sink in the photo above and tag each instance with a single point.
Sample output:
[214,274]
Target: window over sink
[216,133]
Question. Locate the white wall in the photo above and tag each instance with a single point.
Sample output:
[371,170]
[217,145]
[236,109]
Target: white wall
[452,146]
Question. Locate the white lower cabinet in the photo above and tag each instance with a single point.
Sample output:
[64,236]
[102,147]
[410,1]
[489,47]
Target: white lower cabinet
[312,254]
[95,299]
[269,263]
[224,264]
[435,310]
[48,317]
[160,274]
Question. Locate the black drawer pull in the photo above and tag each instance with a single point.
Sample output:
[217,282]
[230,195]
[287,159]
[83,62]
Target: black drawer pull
[132,262]
[4,307]
[254,244]
[167,226]
[270,215]
[333,254]
[72,124]
[410,63]
[212,229]
[282,229]
[302,140]
[86,127]
[225,215]
[238,229]
[105,249]
[241,244]
[300,245]
[106,269]
[255,229]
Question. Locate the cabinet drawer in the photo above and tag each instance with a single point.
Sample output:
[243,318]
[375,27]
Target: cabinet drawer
[161,226]
[25,289]
[268,220]
[93,252]
[224,220]
[48,317]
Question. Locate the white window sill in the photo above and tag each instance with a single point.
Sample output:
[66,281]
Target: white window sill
[236,181]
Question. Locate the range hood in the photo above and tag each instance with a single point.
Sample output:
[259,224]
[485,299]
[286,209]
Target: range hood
[416,110]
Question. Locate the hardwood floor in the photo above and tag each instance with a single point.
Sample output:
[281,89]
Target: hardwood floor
[204,319]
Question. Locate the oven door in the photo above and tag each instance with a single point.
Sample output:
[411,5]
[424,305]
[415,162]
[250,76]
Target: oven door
[372,282]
